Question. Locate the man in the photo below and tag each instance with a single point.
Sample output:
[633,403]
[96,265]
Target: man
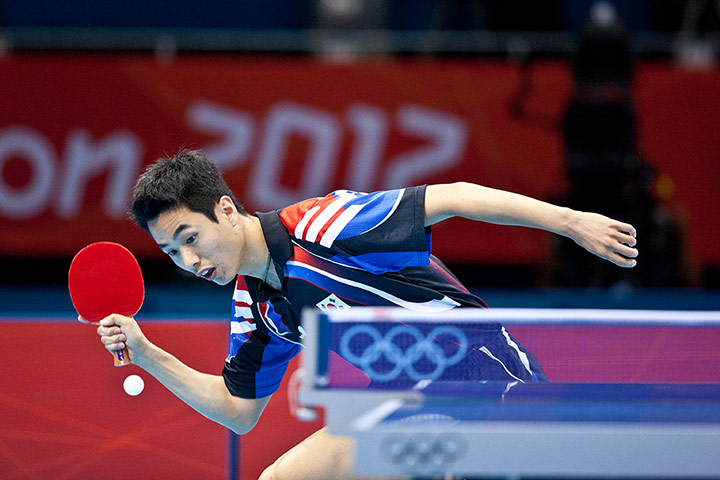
[344,249]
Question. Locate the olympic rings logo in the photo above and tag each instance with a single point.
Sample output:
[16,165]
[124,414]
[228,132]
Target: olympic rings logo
[424,345]
[423,454]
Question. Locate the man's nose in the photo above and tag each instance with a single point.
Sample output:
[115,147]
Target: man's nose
[190,259]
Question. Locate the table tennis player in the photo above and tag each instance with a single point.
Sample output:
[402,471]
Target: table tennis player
[337,251]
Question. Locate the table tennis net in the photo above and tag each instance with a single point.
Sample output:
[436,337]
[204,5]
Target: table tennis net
[398,349]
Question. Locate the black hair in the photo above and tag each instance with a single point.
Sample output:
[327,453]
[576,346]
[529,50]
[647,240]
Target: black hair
[188,179]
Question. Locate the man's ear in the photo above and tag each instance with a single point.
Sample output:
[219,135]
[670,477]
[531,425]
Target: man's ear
[227,207]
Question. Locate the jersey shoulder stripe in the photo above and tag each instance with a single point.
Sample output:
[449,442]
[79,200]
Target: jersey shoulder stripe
[340,215]
[377,208]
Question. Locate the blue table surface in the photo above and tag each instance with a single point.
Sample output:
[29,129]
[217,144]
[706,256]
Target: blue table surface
[565,402]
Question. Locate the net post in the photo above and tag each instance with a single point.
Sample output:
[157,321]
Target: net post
[323,349]
[317,342]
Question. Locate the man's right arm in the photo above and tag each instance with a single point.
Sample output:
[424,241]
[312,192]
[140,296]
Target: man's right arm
[607,238]
[206,393]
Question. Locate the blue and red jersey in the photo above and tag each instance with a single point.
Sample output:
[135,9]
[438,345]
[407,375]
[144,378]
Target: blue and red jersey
[342,250]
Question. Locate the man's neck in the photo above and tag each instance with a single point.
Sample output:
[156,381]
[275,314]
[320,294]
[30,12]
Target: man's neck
[260,264]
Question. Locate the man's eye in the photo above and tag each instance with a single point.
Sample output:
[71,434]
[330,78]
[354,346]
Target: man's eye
[172,252]
[191,239]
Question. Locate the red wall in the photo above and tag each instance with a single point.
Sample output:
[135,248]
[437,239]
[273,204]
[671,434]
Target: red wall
[76,130]
[64,413]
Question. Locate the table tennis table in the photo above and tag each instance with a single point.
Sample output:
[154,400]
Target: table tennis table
[573,430]
[441,429]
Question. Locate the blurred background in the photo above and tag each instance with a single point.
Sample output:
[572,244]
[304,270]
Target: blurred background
[603,106]
[607,106]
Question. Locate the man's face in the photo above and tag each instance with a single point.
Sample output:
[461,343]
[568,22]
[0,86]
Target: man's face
[197,244]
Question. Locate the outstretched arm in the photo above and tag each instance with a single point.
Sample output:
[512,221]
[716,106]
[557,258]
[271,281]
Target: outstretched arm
[205,393]
[607,238]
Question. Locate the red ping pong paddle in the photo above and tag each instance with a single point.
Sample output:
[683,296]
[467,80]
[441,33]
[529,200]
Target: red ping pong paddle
[105,278]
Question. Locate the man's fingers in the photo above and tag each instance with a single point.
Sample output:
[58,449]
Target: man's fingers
[626,262]
[628,252]
[110,330]
[111,334]
[107,331]
[622,260]
[111,338]
[114,319]
[114,343]
[114,347]
[627,240]
[619,254]
[626,228]
[624,237]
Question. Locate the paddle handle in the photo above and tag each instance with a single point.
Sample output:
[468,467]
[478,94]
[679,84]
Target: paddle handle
[121,358]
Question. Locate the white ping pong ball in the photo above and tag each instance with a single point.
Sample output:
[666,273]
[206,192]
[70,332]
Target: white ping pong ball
[133,385]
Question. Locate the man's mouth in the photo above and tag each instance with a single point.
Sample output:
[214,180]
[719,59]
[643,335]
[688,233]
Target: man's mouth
[207,273]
